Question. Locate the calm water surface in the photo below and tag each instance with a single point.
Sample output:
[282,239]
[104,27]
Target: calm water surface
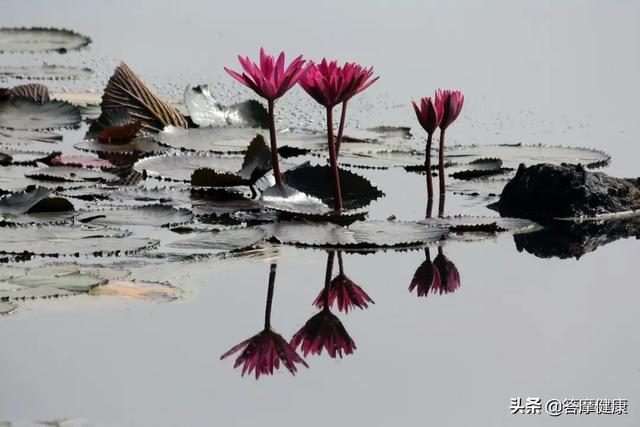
[519,325]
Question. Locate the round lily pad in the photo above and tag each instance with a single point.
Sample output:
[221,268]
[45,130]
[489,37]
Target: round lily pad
[150,215]
[7,308]
[25,114]
[145,291]
[464,224]
[359,235]
[514,154]
[77,240]
[28,137]
[46,72]
[135,146]
[71,174]
[23,157]
[39,39]
[180,166]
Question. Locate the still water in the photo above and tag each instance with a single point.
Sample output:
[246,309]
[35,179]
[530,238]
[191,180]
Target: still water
[518,326]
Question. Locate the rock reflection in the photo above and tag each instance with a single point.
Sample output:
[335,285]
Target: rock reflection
[324,330]
[438,276]
[344,291]
[565,239]
[263,352]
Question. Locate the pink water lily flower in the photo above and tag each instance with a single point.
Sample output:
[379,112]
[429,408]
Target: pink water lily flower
[452,101]
[429,115]
[270,79]
[330,84]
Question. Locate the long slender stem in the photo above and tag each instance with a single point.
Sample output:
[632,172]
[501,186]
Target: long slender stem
[441,206]
[427,254]
[267,310]
[427,167]
[327,278]
[429,207]
[441,162]
[343,117]
[340,263]
[274,145]
[333,161]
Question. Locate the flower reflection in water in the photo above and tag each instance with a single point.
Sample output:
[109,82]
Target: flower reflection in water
[438,276]
[426,277]
[263,352]
[449,275]
[324,330]
[344,291]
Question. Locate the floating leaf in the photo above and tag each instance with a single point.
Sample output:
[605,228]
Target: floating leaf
[222,203]
[7,308]
[46,72]
[257,161]
[150,215]
[135,146]
[359,235]
[60,240]
[39,39]
[514,154]
[287,199]
[462,224]
[27,137]
[80,161]
[23,157]
[126,90]
[71,174]
[206,111]
[24,114]
[224,240]
[34,293]
[357,191]
[180,166]
[5,159]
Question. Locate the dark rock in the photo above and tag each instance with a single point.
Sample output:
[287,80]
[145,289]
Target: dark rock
[546,191]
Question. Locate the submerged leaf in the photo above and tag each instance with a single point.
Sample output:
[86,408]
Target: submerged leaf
[34,92]
[71,174]
[206,111]
[143,291]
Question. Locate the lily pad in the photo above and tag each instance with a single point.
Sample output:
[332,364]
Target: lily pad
[7,308]
[224,240]
[463,224]
[12,137]
[24,114]
[204,110]
[76,241]
[150,215]
[33,200]
[71,174]
[22,157]
[359,235]
[287,199]
[514,154]
[33,91]
[39,39]
[180,166]
[46,72]
[136,146]
[126,90]
[79,161]
[315,181]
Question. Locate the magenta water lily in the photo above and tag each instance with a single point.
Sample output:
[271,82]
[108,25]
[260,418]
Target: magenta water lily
[330,84]
[434,113]
[271,80]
